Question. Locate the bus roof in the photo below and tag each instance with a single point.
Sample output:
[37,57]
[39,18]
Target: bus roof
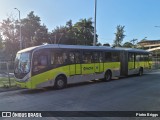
[82,47]
[133,50]
[66,47]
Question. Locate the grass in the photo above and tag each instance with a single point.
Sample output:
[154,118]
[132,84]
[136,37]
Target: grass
[4,82]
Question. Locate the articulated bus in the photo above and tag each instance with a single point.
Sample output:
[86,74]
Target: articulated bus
[58,65]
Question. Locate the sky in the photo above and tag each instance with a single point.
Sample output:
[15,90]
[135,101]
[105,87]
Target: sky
[138,16]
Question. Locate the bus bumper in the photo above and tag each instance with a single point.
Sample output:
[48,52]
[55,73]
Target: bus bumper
[24,85]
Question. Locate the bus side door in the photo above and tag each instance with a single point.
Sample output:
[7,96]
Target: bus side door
[98,62]
[88,63]
[78,62]
[72,69]
[131,61]
[75,64]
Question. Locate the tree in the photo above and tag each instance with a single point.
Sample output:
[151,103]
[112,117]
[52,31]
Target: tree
[128,45]
[11,38]
[41,36]
[33,33]
[58,35]
[1,43]
[119,36]
[133,42]
[106,44]
[68,37]
[81,33]
[99,44]
[144,39]
[85,31]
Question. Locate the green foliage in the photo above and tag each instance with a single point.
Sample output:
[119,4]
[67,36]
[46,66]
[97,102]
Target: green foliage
[85,31]
[106,44]
[4,82]
[9,32]
[81,33]
[33,33]
[119,36]
[128,45]
[41,35]
[1,43]
[99,44]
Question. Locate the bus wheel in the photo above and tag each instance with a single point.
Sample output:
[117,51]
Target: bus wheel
[140,72]
[60,82]
[108,76]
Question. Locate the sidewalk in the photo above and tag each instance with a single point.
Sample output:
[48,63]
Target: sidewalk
[155,70]
[3,89]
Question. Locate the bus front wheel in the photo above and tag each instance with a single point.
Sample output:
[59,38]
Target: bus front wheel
[60,82]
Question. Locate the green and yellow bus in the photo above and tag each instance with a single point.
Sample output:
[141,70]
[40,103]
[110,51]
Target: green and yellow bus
[58,65]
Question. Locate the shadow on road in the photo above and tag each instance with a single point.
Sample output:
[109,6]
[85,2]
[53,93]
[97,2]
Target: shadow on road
[47,89]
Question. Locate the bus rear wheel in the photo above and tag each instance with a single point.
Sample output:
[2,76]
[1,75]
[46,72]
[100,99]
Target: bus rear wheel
[140,72]
[108,76]
[60,82]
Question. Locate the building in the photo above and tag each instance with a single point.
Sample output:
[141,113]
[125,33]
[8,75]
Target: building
[149,44]
[154,47]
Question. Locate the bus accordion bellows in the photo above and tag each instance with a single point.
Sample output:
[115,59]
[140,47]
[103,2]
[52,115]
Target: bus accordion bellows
[58,65]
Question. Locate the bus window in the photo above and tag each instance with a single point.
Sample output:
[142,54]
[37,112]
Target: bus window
[96,57]
[71,57]
[142,58]
[131,57]
[64,57]
[77,57]
[60,58]
[52,58]
[146,57]
[87,57]
[115,57]
[108,57]
[40,61]
[138,57]
[101,57]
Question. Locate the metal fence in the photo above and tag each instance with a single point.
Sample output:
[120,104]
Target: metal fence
[156,63]
[6,73]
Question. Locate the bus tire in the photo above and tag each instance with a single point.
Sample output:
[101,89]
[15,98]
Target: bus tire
[108,76]
[140,73]
[60,82]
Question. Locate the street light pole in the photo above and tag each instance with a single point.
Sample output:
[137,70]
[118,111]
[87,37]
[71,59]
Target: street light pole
[95,14]
[133,42]
[19,28]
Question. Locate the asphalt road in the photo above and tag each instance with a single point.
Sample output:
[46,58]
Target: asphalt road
[127,94]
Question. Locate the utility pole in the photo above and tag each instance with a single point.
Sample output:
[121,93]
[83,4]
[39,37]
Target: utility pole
[19,28]
[95,15]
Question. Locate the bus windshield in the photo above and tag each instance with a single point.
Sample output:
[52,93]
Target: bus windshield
[22,64]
